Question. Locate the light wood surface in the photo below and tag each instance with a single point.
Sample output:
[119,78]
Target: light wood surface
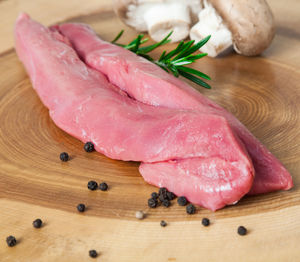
[45,11]
[263,92]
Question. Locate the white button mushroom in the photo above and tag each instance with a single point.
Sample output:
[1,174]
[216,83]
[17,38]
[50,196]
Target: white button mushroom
[250,22]
[169,16]
[210,23]
[159,17]
[248,25]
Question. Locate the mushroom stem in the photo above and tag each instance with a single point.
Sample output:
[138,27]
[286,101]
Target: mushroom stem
[210,23]
[168,16]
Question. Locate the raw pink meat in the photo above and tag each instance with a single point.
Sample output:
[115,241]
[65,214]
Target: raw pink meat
[150,84]
[200,180]
[85,104]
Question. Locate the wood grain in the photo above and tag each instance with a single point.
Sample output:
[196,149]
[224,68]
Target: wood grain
[45,11]
[263,92]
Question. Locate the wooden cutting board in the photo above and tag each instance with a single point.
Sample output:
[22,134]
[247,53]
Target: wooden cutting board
[263,92]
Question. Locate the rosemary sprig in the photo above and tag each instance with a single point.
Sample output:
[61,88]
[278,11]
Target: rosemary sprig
[174,61]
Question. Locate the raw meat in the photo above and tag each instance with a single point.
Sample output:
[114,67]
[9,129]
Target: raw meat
[150,84]
[85,104]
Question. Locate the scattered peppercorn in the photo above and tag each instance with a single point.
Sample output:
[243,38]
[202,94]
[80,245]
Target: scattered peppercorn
[182,201]
[163,223]
[154,195]
[242,230]
[166,203]
[162,198]
[205,222]
[162,193]
[93,253]
[139,214]
[81,207]
[170,195]
[152,202]
[103,186]
[64,156]
[89,147]
[92,185]
[37,223]
[190,209]
[11,241]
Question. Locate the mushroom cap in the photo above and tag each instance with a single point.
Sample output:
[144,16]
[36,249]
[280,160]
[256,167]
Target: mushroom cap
[250,22]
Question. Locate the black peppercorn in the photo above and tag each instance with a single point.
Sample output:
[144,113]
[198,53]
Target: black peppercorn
[182,201]
[190,209]
[162,193]
[162,198]
[92,185]
[170,195]
[11,241]
[154,195]
[89,147]
[152,202]
[93,253]
[64,156]
[205,222]
[242,230]
[37,223]
[163,223]
[81,207]
[166,203]
[103,186]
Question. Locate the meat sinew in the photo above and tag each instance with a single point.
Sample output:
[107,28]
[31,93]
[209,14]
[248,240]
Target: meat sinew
[197,154]
[150,84]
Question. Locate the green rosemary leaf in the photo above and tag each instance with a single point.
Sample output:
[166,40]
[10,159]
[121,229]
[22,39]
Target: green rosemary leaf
[136,39]
[161,66]
[137,43]
[133,45]
[162,55]
[186,47]
[197,46]
[194,79]
[118,36]
[175,51]
[174,70]
[147,49]
[181,63]
[196,57]
[144,40]
[194,72]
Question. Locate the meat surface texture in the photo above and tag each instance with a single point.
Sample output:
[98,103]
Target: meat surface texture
[193,153]
[149,84]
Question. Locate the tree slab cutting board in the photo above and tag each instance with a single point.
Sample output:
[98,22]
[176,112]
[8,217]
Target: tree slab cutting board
[262,92]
